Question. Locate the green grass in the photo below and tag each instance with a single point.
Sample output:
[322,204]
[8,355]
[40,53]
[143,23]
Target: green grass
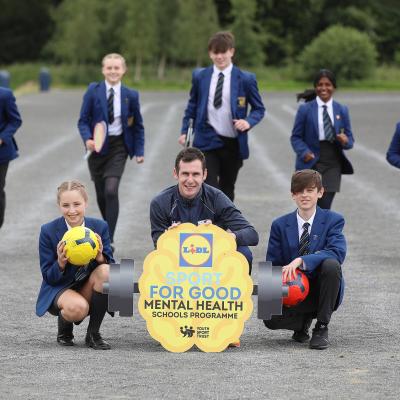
[385,78]
[24,77]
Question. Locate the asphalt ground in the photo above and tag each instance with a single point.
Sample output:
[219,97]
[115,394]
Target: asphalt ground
[363,359]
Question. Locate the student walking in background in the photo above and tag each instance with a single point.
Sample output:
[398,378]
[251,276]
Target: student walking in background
[321,133]
[118,107]
[10,121]
[218,104]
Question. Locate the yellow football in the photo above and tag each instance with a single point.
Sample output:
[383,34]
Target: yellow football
[81,245]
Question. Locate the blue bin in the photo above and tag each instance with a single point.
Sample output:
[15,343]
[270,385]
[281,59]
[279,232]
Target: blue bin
[4,79]
[44,79]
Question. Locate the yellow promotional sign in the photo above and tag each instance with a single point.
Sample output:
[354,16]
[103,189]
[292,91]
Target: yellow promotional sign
[195,289]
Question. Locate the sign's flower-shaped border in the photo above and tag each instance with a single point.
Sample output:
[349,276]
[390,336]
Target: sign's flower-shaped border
[209,322]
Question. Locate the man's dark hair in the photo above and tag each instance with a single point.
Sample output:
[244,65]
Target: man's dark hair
[325,73]
[306,178]
[188,155]
[221,42]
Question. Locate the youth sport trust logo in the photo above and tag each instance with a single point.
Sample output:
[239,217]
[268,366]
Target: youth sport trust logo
[195,249]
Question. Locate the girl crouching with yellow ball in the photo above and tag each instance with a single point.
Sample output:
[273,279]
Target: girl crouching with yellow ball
[69,292]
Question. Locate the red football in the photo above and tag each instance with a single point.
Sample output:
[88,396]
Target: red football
[298,289]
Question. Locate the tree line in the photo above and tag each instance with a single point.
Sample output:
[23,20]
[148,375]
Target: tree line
[175,32]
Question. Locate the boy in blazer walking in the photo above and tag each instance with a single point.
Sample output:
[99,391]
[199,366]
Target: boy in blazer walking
[118,106]
[309,239]
[218,104]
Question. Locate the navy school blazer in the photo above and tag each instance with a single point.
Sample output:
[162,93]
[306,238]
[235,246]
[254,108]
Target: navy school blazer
[53,279]
[10,121]
[244,91]
[305,134]
[94,110]
[393,153]
[326,241]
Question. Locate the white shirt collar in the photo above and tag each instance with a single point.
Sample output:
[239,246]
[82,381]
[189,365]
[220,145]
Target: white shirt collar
[117,87]
[301,221]
[70,227]
[321,103]
[225,71]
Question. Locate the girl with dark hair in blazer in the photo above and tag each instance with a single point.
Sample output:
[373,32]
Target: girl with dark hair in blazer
[321,133]
[67,291]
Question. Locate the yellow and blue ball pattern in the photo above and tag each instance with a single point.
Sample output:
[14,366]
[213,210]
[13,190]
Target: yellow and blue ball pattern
[81,245]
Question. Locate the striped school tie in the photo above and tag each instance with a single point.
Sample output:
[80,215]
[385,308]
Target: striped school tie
[218,91]
[304,241]
[82,272]
[328,128]
[110,106]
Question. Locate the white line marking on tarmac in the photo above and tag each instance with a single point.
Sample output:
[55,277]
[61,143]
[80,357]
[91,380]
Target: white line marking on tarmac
[25,161]
[261,155]
[158,143]
[289,109]
[383,205]
[280,125]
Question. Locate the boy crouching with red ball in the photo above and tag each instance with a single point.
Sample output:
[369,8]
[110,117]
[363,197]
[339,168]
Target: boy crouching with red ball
[309,239]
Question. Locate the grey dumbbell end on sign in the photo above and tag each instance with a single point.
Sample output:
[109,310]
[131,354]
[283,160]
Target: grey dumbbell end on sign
[121,287]
[270,290]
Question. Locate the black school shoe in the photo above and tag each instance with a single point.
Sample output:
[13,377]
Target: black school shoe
[65,337]
[319,339]
[96,342]
[65,340]
[302,335]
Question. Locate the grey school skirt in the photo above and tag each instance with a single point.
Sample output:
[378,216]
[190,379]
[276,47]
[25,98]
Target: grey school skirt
[110,164]
[329,166]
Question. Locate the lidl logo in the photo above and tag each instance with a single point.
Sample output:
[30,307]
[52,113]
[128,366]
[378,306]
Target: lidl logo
[195,250]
